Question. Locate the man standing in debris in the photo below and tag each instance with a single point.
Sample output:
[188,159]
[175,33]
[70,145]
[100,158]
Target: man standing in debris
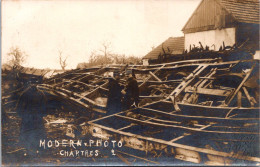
[131,97]
[114,94]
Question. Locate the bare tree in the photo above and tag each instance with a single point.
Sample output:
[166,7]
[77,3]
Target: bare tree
[92,57]
[63,63]
[105,56]
[17,56]
[106,46]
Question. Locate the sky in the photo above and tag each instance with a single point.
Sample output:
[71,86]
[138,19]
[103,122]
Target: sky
[43,28]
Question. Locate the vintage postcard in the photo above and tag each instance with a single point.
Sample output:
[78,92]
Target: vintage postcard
[135,82]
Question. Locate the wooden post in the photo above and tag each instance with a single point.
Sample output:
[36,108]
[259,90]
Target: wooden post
[142,84]
[228,100]
[250,99]
[188,80]
[158,79]
[239,97]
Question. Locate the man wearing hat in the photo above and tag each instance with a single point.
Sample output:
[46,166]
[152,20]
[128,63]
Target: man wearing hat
[114,94]
[131,97]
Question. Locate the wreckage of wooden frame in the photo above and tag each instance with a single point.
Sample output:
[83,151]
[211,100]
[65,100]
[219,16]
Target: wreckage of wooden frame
[201,111]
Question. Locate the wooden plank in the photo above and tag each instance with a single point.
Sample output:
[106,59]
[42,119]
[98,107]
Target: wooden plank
[197,149]
[159,120]
[128,126]
[158,79]
[124,159]
[228,100]
[205,80]
[216,92]
[198,117]
[180,137]
[187,81]
[140,86]
[164,82]
[101,70]
[183,61]
[75,94]
[210,78]
[239,98]
[88,93]
[250,99]
[154,96]
[138,157]
[88,85]
[183,127]
[133,124]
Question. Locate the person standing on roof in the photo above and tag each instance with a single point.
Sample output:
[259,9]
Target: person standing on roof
[131,97]
[114,94]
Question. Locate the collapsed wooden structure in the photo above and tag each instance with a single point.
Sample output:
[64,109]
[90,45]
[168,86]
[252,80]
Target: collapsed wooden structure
[200,111]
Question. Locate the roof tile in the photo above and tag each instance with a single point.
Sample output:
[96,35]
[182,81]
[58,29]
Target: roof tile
[173,45]
[246,11]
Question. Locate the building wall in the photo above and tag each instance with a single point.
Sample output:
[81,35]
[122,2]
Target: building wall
[228,35]
[146,62]
[257,55]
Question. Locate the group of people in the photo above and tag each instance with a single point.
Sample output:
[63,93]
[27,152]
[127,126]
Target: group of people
[122,97]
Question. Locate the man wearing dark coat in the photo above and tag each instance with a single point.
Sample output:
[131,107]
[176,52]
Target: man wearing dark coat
[114,95]
[132,92]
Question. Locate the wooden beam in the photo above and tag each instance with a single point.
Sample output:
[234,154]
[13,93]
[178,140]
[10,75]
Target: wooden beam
[183,127]
[177,145]
[228,100]
[163,82]
[158,79]
[250,99]
[128,126]
[191,116]
[180,137]
[142,84]
[211,78]
[201,83]
[216,92]
[137,157]
[187,81]
[239,98]
[88,93]
[124,159]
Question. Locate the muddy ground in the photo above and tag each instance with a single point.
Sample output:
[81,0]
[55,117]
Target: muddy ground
[56,126]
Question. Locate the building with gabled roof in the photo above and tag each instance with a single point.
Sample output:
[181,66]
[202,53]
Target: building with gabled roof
[173,45]
[220,23]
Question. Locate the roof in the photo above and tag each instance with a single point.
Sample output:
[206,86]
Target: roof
[213,14]
[245,11]
[173,45]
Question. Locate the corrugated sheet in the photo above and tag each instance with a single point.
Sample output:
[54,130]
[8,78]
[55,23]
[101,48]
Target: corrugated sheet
[246,11]
[173,45]
[212,14]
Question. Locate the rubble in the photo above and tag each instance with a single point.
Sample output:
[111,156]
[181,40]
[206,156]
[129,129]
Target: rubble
[180,102]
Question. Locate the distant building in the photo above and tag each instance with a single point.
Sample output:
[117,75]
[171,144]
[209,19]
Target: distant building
[173,45]
[228,21]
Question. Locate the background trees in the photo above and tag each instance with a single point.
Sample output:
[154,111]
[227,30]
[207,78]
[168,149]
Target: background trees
[17,57]
[62,61]
[105,56]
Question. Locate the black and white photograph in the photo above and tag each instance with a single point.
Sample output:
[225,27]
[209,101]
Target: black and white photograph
[130,83]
